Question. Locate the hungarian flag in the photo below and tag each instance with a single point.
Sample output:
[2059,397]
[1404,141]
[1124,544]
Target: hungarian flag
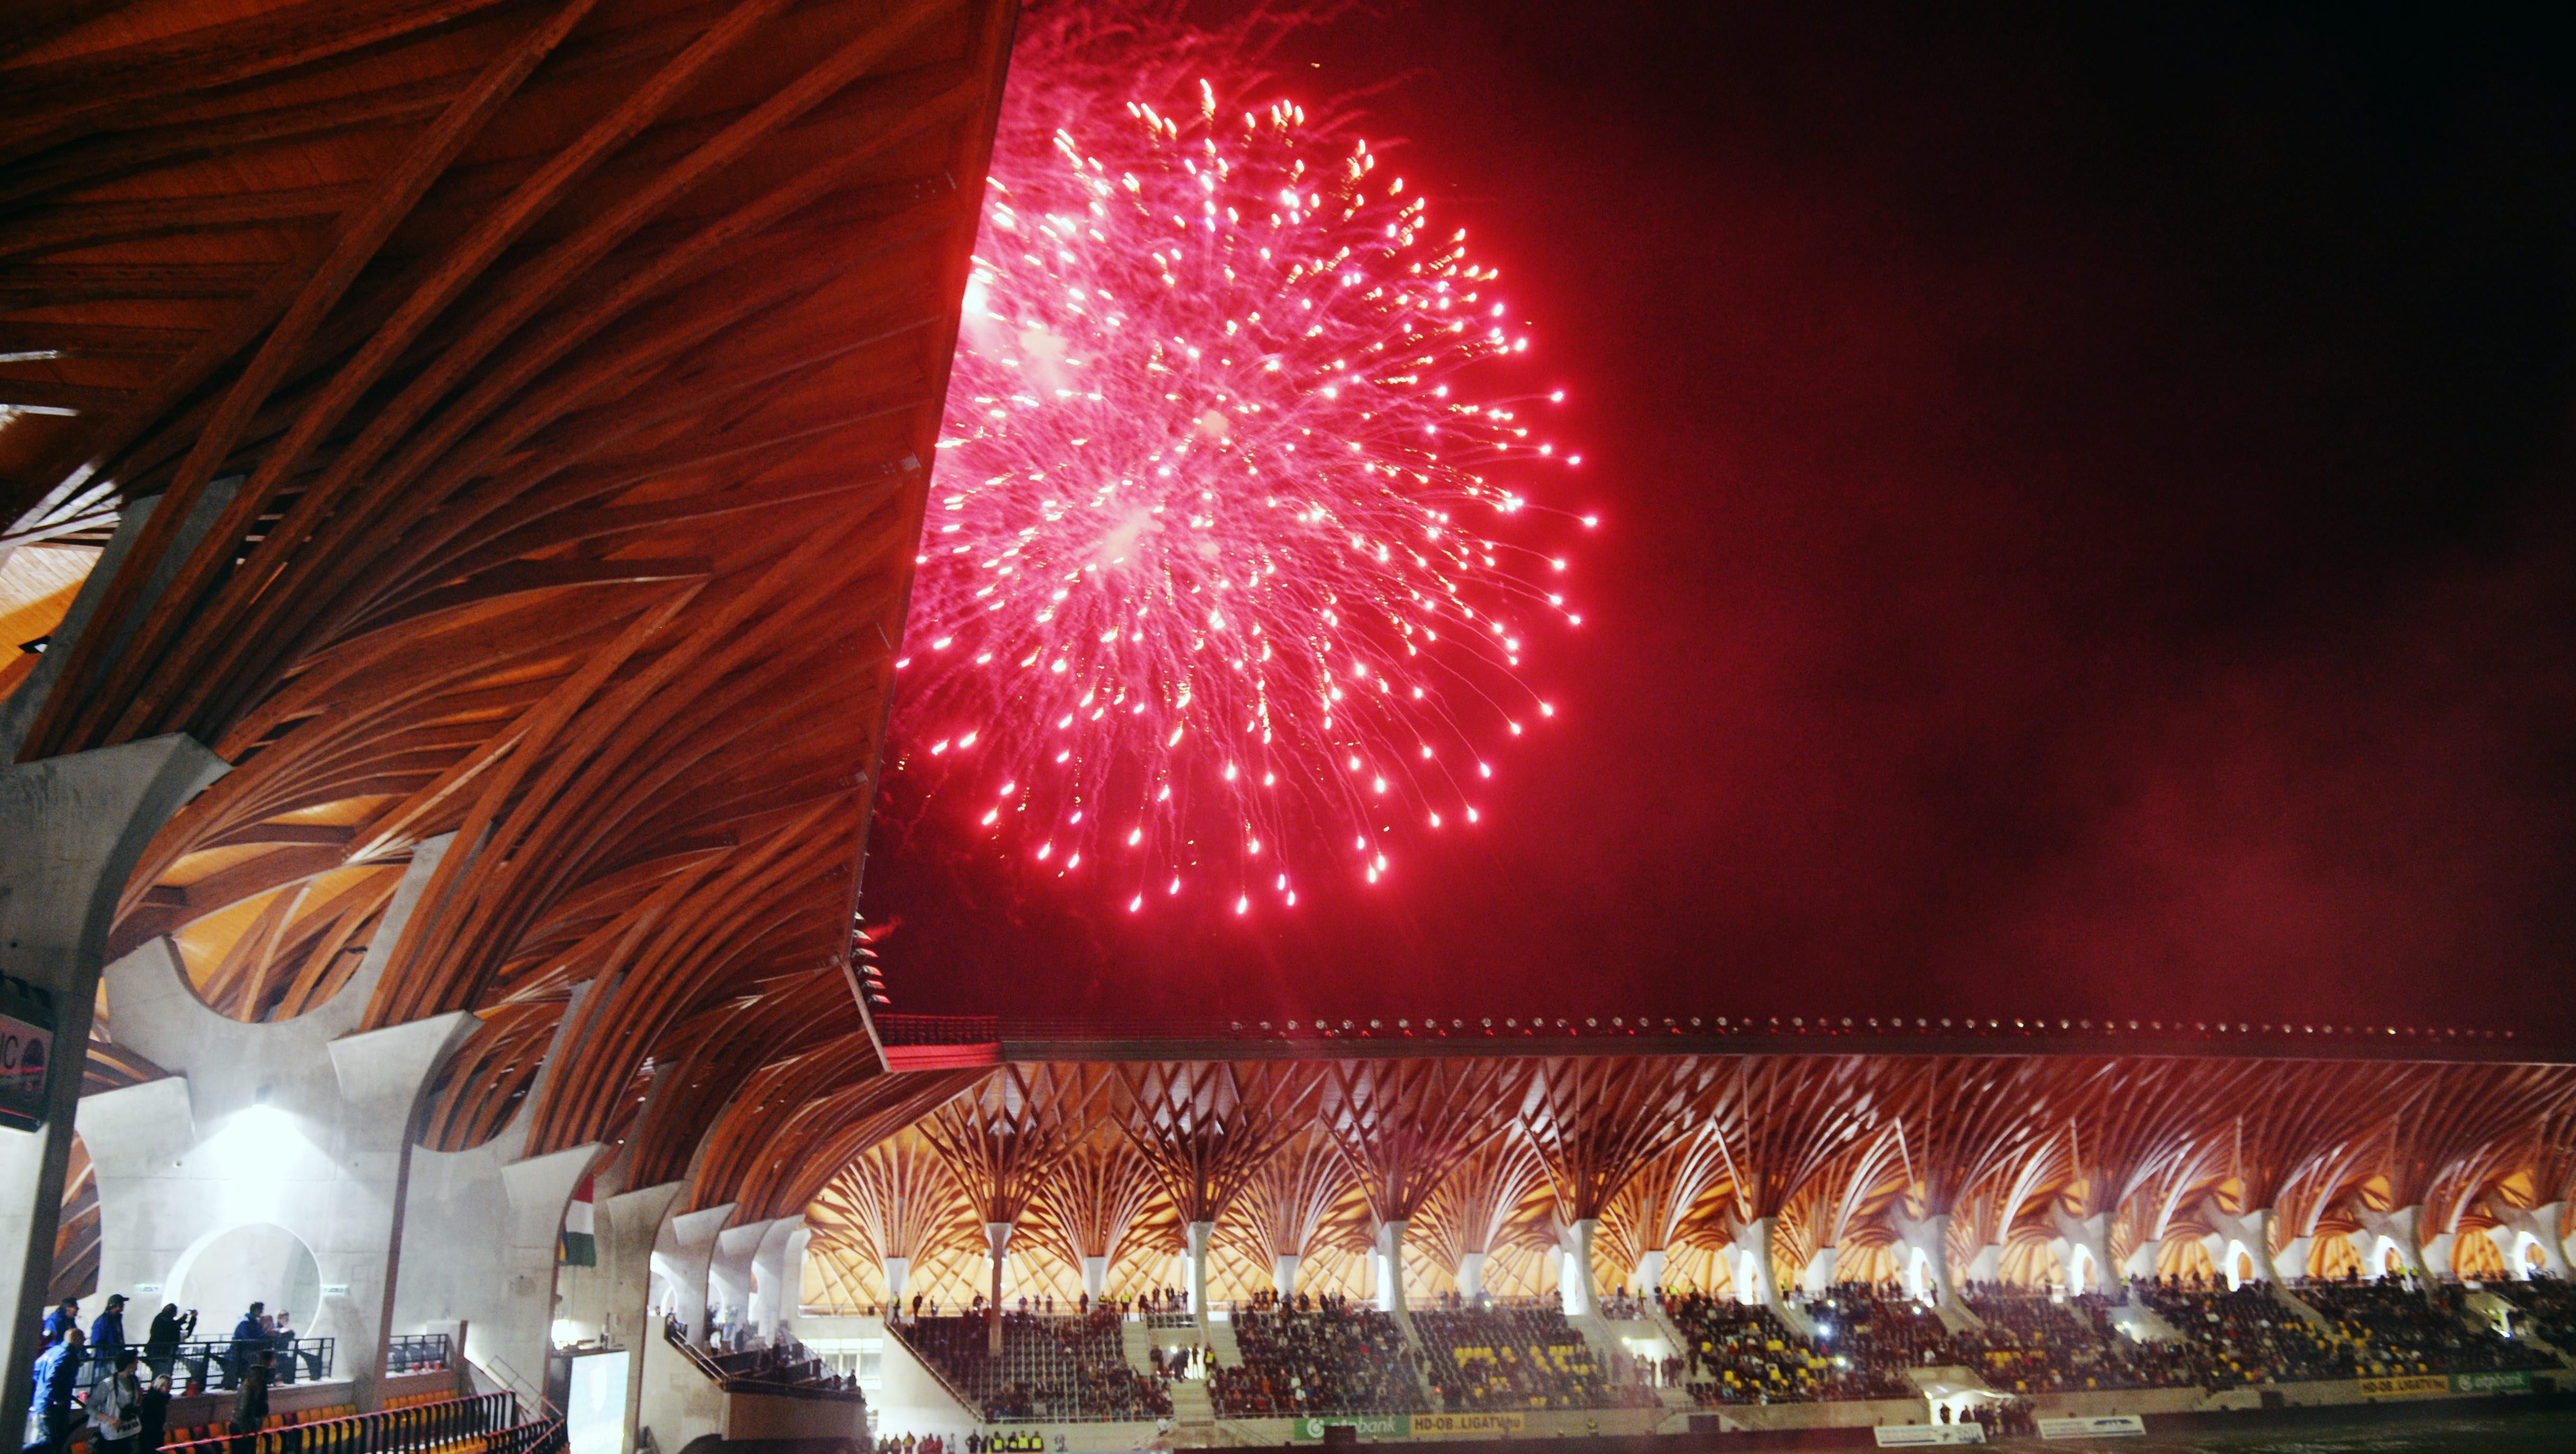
[579,1248]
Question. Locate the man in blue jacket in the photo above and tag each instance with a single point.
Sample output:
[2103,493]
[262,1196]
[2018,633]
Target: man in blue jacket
[107,1333]
[64,1318]
[57,1378]
[249,1336]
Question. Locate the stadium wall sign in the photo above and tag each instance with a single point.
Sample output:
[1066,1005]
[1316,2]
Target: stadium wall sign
[26,1050]
[1369,1426]
[2098,1426]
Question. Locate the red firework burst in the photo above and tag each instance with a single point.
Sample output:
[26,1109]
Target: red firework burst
[1216,588]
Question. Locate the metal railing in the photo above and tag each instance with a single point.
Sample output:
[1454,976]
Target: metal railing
[492,1418]
[418,1353]
[208,1365]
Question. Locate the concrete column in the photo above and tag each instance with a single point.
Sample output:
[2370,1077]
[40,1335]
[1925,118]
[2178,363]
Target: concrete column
[729,1272]
[2545,1220]
[1095,1278]
[1471,1276]
[2143,1258]
[2393,1230]
[1818,1274]
[2438,1266]
[628,1225]
[683,1249]
[2091,1236]
[1931,1237]
[1389,1260]
[778,1276]
[1574,1280]
[480,1232]
[1756,1280]
[1199,1235]
[74,828]
[897,1272]
[1987,1265]
[997,1246]
[1650,1272]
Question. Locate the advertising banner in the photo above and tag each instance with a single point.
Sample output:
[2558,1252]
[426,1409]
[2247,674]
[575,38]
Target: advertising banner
[2515,1380]
[1370,1426]
[1909,1436]
[2417,1383]
[26,1050]
[2097,1426]
[1437,1424]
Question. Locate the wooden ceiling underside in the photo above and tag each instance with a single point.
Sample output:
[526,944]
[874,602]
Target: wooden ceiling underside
[539,398]
[1668,1151]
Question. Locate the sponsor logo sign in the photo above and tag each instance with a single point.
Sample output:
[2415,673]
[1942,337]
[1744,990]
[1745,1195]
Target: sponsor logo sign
[2411,1384]
[1910,1436]
[2097,1426]
[1469,1423]
[26,1052]
[1370,1426]
[2516,1380]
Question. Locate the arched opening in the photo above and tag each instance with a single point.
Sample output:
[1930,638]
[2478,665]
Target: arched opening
[2240,1266]
[250,1262]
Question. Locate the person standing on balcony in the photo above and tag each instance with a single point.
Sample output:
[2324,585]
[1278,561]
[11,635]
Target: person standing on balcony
[57,1378]
[250,1335]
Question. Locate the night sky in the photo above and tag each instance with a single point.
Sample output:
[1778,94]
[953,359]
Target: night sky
[2086,531]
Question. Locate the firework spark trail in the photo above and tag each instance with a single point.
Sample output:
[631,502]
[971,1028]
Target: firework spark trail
[1206,593]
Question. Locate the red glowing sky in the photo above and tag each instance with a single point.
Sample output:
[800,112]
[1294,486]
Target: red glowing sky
[2085,531]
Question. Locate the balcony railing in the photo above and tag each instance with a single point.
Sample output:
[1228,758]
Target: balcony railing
[487,1424]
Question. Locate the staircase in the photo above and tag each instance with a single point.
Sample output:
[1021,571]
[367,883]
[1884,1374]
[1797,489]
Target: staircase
[1193,1415]
[1222,1350]
[1136,1344]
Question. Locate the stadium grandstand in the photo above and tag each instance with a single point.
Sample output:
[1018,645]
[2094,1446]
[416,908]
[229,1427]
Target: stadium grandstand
[439,437]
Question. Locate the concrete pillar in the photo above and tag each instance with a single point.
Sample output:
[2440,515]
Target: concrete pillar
[628,1225]
[684,1247]
[2438,1266]
[2090,1236]
[2545,1220]
[997,1246]
[1650,1272]
[480,1229]
[1471,1276]
[74,828]
[1095,1278]
[2143,1258]
[898,1275]
[1574,1281]
[729,1272]
[1817,1276]
[295,1140]
[778,1276]
[2392,1231]
[1756,1279]
[1199,1235]
[1931,1237]
[1389,1261]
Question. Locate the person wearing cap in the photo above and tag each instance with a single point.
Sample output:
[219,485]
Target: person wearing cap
[115,1405]
[57,1378]
[64,1318]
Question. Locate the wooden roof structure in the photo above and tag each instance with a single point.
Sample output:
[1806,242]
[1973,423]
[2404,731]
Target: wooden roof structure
[507,424]
[1679,1152]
